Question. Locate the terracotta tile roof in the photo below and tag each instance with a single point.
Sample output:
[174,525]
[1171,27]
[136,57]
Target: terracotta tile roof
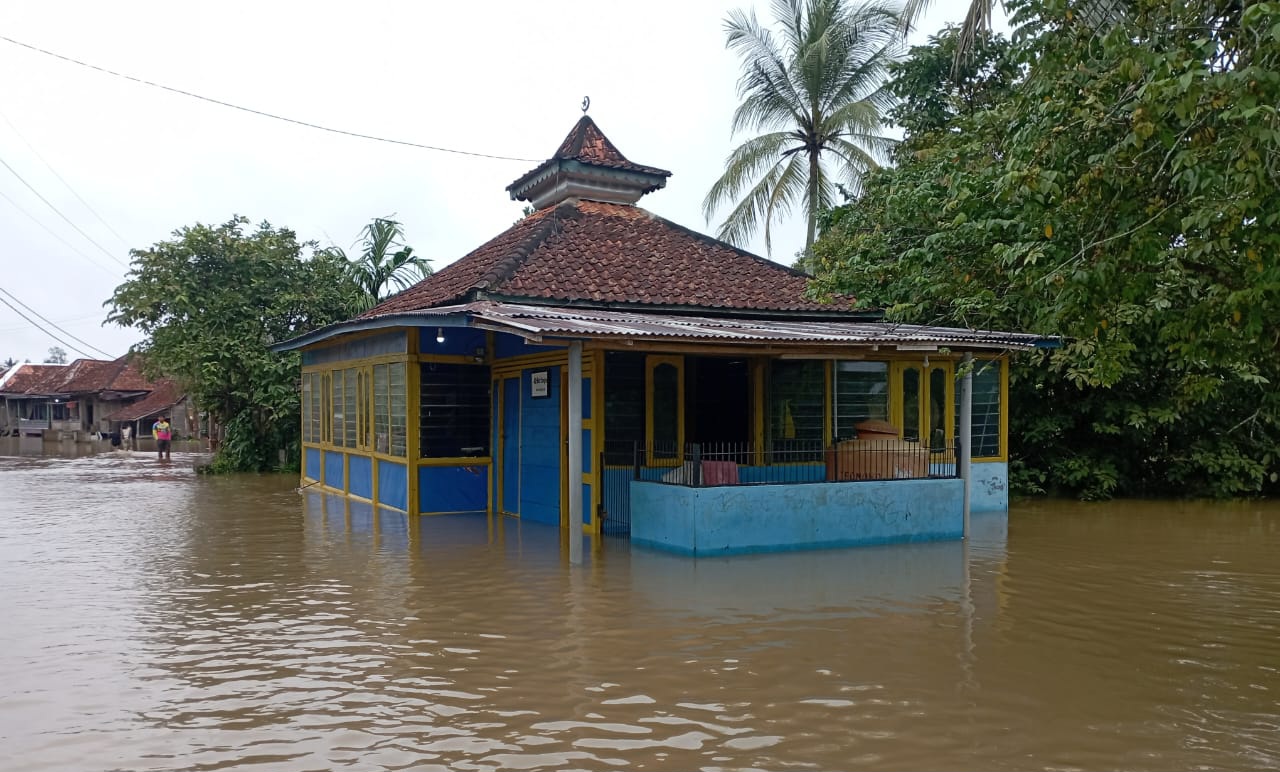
[600,253]
[129,376]
[588,144]
[166,395]
[34,380]
[87,375]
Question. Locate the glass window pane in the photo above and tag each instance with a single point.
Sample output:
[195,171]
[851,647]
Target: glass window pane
[986,409]
[454,410]
[306,407]
[862,394]
[349,407]
[339,405]
[911,404]
[381,410]
[666,410]
[623,406]
[937,409]
[398,401]
[796,397]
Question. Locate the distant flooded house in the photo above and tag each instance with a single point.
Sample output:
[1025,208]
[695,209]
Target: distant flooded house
[85,396]
[599,367]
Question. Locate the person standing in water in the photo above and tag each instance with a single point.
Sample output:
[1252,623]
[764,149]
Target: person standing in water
[163,432]
[126,437]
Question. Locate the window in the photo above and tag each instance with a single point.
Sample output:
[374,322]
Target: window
[311,407]
[796,403]
[664,382]
[454,410]
[338,403]
[398,404]
[987,377]
[381,410]
[350,403]
[861,394]
[624,416]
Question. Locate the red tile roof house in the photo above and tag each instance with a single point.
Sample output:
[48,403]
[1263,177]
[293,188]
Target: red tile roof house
[598,367]
[81,398]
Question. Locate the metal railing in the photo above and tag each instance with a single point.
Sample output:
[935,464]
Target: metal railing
[781,462]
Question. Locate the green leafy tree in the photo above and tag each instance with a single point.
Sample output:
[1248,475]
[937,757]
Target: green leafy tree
[211,301]
[8,363]
[816,90]
[385,262]
[57,356]
[1125,195]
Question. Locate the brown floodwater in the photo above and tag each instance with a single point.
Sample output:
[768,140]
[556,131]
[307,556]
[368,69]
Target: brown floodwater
[152,619]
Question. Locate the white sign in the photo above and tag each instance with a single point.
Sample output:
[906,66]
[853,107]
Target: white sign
[540,381]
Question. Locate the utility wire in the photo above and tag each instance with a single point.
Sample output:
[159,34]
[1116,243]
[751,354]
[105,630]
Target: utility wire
[46,332]
[66,184]
[37,314]
[265,114]
[57,211]
[54,233]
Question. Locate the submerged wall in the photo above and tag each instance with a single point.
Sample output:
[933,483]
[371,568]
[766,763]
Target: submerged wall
[763,518]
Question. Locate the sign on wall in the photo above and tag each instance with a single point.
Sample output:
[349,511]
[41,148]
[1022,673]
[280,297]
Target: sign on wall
[540,383]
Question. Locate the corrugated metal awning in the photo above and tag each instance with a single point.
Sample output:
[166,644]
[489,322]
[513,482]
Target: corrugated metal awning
[545,324]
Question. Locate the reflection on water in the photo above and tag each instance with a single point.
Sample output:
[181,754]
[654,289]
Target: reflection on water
[156,620]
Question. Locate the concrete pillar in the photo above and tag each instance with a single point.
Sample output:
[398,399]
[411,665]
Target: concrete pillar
[965,462]
[575,452]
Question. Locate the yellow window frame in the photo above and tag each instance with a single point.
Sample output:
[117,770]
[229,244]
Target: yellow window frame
[652,363]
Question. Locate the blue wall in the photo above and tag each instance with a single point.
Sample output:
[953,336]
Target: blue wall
[311,468]
[507,346]
[989,490]
[393,484]
[457,340]
[394,342]
[453,488]
[333,469]
[360,476]
[540,451]
[763,518]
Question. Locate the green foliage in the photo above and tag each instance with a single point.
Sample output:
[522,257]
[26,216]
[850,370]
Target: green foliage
[57,356]
[1123,193]
[211,301]
[385,261]
[816,90]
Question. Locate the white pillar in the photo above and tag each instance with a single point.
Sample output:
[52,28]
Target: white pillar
[575,452]
[966,435]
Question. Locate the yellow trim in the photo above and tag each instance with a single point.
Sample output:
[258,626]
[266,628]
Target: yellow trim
[451,359]
[449,512]
[651,363]
[350,336]
[530,361]
[361,362]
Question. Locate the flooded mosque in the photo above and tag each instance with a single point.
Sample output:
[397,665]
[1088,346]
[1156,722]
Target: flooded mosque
[598,367]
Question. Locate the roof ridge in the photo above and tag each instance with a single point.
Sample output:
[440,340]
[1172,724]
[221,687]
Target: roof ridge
[505,268]
[713,240]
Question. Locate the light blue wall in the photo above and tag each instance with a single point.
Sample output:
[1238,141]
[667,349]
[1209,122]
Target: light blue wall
[540,450]
[453,489]
[360,476]
[394,342]
[989,491]
[333,469]
[762,518]
[393,484]
[311,468]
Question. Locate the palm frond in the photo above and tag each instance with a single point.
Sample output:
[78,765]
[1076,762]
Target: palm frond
[744,164]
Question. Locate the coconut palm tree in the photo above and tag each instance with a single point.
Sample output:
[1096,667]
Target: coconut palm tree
[1099,15]
[817,91]
[379,269]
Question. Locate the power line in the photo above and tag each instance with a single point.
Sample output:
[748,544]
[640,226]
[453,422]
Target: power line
[265,114]
[52,324]
[53,233]
[60,214]
[66,184]
[46,332]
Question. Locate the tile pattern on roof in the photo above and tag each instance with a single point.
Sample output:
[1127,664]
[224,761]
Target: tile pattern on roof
[165,395]
[612,254]
[83,376]
[588,144]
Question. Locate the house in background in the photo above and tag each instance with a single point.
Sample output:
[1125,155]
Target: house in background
[601,368]
[81,398]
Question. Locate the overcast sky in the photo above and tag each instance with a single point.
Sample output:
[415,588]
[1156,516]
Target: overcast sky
[504,78]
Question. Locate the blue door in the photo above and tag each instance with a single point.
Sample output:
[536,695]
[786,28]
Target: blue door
[510,447]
